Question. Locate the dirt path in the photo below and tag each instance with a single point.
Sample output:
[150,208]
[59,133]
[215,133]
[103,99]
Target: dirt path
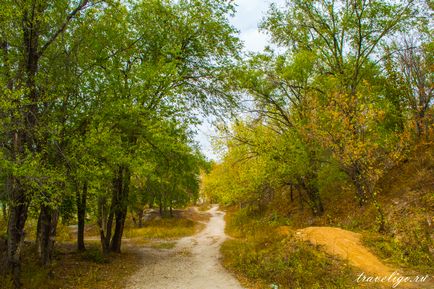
[192,264]
[347,245]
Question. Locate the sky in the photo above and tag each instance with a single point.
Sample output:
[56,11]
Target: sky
[248,15]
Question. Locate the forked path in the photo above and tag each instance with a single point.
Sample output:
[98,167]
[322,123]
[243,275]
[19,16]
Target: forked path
[192,264]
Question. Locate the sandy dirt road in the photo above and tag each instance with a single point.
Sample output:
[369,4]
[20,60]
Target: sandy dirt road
[192,264]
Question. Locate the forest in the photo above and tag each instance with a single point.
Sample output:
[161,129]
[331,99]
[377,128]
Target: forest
[332,124]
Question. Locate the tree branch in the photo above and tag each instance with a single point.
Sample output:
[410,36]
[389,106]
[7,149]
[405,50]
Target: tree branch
[62,28]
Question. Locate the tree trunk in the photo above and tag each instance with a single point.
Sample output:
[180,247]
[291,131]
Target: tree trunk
[48,226]
[360,184]
[105,221]
[81,198]
[121,186]
[17,220]
[24,139]
[38,230]
[116,241]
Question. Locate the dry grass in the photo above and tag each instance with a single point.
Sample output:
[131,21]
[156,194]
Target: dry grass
[171,228]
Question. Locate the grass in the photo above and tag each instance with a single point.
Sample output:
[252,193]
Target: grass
[167,229]
[414,256]
[262,258]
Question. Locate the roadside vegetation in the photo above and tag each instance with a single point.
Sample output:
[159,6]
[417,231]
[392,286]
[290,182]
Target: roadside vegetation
[263,255]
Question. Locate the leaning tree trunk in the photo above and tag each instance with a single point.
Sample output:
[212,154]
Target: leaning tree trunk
[81,198]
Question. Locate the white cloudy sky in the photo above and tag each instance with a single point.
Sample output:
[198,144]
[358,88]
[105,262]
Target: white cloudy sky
[249,14]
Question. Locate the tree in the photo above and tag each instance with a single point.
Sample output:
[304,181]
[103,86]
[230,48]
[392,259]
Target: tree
[345,37]
[26,39]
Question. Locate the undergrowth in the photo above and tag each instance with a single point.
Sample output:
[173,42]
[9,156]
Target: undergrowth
[413,255]
[261,256]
